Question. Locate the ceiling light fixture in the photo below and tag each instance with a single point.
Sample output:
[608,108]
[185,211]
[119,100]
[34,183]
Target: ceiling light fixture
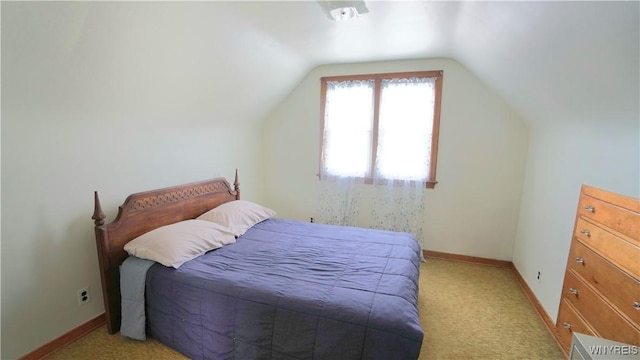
[343,10]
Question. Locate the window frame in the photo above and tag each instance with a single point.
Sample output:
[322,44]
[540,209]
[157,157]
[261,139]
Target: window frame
[431,181]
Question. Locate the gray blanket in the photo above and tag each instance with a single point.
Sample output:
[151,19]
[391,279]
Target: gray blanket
[133,274]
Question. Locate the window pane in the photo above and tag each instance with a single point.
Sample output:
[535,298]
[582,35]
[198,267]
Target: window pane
[405,126]
[348,127]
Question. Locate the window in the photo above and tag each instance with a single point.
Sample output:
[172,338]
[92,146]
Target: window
[381,126]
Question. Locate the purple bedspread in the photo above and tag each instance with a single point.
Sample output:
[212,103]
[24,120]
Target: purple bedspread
[292,290]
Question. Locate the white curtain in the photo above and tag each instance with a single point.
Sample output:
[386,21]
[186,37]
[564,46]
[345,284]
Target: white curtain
[405,129]
[346,155]
[339,201]
[395,199]
[399,206]
[348,125]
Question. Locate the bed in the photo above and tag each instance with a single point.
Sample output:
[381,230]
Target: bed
[285,289]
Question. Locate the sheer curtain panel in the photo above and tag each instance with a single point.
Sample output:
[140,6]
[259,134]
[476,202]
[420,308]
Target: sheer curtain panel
[377,132]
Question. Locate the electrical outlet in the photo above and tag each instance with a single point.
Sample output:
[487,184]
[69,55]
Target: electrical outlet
[84,296]
[539,272]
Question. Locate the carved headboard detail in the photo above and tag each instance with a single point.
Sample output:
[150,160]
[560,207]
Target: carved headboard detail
[141,213]
[184,194]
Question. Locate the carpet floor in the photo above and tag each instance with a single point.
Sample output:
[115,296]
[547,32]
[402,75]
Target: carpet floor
[467,311]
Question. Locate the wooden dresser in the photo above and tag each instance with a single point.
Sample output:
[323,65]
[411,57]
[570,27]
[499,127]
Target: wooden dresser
[601,291]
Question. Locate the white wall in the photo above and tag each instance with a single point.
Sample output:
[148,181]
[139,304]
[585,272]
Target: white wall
[88,103]
[585,129]
[474,208]
[563,155]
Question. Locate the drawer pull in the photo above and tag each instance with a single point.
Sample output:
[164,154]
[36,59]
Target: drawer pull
[590,208]
[580,260]
[573,291]
[585,232]
[566,325]
[636,305]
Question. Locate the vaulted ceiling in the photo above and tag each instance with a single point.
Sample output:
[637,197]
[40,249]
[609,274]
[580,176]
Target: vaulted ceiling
[548,59]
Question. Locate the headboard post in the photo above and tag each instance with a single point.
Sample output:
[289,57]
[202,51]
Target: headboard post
[236,186]
[98,214]
[106,272]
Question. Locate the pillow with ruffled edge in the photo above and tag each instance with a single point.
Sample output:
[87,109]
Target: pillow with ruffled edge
[238,215]
[174,244]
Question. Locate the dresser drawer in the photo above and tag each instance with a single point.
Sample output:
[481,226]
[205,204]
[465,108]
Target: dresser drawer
[612,216]
[568,322]
[619,288]
[623,253]
[601,316]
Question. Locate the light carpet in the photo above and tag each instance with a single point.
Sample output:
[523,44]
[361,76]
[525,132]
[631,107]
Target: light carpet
[467,311]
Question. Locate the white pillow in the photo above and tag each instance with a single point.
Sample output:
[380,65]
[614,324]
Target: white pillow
[172,245]
[238,215]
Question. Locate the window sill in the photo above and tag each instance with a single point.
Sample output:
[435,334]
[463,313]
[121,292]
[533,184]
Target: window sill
[370,181]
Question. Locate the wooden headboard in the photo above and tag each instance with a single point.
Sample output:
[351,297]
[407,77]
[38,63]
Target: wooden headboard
[143,212]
